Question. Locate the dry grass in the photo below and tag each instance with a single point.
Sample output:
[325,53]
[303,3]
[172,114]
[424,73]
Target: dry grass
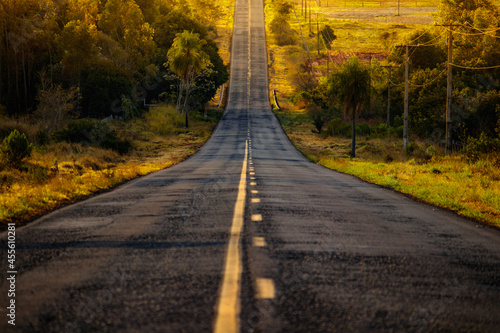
[61,173]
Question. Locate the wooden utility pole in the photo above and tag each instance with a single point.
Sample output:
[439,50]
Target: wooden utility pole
[303,41]
[448,93]
[449,85]
[317,29]
[370,85]
[310,27]
[407,74]
[389,95]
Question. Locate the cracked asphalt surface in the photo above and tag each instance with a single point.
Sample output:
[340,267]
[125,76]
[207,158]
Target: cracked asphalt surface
[342,255]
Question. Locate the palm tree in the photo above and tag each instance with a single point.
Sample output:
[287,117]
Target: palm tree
[349,86]
[187,59]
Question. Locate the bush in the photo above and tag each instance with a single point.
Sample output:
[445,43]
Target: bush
[338,127]
[411,148]
[396,131]
[15,148]
[484,146]
[379,130]
[77,131]
[164,120]
[363,129]
[318,116]
[89,132]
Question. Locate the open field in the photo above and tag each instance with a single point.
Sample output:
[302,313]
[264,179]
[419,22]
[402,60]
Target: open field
[367,31]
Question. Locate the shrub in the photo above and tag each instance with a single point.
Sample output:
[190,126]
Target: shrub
[15,148]
[396,131]
[431,151]
[89,132]
[380,129]
[55,105]
[363,129]
[129,108]
[476,149]
[318,116]
[338,127]
[111,141]
[410,148]
[164,120]
[77,131]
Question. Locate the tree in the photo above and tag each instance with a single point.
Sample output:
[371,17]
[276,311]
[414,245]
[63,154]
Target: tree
[215,75]
[187,60]
[349,86]
[328,36]
[124,22]
[78,47]
[278,13]
[55,104]
[102,87]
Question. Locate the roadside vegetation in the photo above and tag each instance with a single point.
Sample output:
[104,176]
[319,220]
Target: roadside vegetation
[317,116]
[88,94]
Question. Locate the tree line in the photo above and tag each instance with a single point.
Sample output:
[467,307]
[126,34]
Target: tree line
[96,58]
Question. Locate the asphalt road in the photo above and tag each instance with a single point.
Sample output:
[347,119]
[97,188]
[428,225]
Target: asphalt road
[248,220]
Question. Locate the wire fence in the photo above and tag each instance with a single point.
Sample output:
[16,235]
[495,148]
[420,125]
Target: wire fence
[376,3]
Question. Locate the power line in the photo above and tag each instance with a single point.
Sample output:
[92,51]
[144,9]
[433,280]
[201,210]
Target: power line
[470,27]
[478,68]
[427,83]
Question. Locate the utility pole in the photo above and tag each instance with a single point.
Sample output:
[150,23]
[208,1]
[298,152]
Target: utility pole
[448,93]
[310,27]
[407,74]
[303,41]
[389,95]
[449,85]
[317,30]
[305,10]
[370,85]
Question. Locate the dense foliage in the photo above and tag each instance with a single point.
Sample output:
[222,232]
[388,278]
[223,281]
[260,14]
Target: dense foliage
[475,28]
[476,76]
[109,51]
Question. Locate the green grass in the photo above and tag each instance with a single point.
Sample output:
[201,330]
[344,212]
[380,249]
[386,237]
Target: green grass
[450,182]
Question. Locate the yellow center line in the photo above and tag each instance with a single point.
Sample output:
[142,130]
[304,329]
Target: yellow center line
[257,217]
[259,242]
[228,309]
[265,289]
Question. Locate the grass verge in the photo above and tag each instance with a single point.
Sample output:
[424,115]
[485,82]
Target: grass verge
[62,173]
[470,189]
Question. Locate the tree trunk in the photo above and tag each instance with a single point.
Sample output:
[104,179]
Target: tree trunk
[186,106]
[179,98]
[353,147]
